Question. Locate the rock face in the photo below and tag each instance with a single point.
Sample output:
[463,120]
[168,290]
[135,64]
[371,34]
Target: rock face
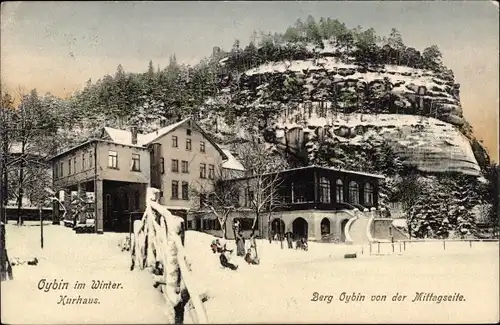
[428,144]
[417,111]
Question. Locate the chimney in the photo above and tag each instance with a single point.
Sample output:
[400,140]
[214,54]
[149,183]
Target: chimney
[134,134]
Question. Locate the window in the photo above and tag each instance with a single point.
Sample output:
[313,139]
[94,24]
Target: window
[175,165]
[202,146]
[235,197]
[185,167]
[368,194]
[188,144]
[56,170]
[185,191]
[324,190]
[203,171]
[61,169]
[211,171]
[162,165]
[74,164]
[83,162]
[353,192]
[91,159]
[188,131]
[112,159]
[339,191]
[136,162]
[174,141]
[203,199]
[175,189]
[250,198]
[69,166]
[300,192]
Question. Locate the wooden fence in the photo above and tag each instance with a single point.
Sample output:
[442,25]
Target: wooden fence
[158,244]
[400,246]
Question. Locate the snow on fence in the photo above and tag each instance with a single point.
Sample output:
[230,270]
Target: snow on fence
[424,246]
[158,243]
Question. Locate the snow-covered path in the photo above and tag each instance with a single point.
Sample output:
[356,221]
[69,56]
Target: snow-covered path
[72,258]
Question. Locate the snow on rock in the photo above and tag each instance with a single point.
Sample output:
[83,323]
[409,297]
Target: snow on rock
[427,143]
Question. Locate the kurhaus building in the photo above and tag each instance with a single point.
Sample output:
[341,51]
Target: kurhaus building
[315,203]
[120,165]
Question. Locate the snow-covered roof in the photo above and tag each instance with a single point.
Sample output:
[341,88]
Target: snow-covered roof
[125,137]
[231,162]
[119,136]
[145,139]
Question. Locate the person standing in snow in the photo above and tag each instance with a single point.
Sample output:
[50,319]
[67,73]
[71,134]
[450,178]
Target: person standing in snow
[289,239]
[240,240]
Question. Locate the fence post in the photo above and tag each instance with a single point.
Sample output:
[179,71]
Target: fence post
[378,247]
[470,243]
[444,244]
[404,246]
[370,247]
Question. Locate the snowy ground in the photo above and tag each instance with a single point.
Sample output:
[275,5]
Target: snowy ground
[71,258]
[278,290]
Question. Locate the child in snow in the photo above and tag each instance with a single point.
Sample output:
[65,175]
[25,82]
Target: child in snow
[250,259]
[301,244]
[225,263]
[216,246]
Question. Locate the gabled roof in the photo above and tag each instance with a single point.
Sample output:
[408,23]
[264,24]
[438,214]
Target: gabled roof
[145,139]
[125,137]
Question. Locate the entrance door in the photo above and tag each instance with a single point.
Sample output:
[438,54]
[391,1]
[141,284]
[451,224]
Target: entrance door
[342,229]
[107,207]
[300,228]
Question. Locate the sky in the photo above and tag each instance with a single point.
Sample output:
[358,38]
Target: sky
[57,46]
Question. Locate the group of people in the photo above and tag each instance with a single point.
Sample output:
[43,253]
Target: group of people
[301,243]
[249,256]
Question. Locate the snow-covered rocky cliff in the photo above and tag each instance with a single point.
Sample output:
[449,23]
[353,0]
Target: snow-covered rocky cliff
[416,111]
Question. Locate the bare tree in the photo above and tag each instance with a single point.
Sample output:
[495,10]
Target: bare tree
[31,138]
[263,180]
[218,195]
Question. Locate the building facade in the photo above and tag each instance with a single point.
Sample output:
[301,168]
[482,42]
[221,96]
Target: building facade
[120,166]
[314,202]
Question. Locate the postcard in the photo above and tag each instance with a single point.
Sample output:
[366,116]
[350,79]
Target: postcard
[249,162]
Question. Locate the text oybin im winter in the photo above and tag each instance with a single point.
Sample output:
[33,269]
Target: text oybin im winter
[55,285]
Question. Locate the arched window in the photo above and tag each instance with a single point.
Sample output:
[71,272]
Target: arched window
[368,194]
[353,192]
[324,190]
[339,191]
